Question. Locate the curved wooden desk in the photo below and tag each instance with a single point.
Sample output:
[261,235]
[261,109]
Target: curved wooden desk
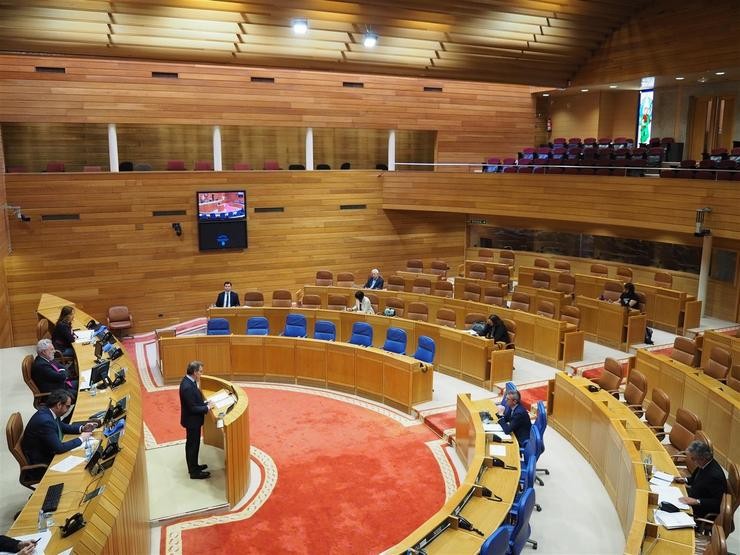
[472,447]
[118,519]
[614,441]
[396,380]
[233,437]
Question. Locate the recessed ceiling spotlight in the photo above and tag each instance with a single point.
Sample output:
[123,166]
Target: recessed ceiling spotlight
[300,26]
[370,40]
[584,90]
[612,86]
[719,72]
[702,79]
[680,78]
[545,94]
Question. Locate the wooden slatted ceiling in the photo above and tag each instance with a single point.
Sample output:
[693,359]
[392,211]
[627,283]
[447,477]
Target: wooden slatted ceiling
[523,41]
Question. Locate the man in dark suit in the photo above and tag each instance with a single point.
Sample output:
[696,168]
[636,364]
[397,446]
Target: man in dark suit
[11,545]
[49,374]
[374,281]
[42,438]
[707,483]
[227,297]
[514,418]
[193,408]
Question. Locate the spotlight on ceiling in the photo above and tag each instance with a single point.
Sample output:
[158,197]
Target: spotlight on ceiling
[680,78]
[370,40]
[545,94]
[612,86]
[719,72]
[584,90]
[300,26]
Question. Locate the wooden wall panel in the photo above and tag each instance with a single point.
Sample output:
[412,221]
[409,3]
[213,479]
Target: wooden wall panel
[6,332]
[473,120]
[575,115]
[117,252]
[618,114]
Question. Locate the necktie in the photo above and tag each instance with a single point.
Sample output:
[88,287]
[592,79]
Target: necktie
[227,297]
[59,429]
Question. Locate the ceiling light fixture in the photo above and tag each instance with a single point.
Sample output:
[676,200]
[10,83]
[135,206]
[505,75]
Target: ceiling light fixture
[370,40]
[719,72]
[612,86]
[584,90]
[300,26]
[545,94]
[680,78]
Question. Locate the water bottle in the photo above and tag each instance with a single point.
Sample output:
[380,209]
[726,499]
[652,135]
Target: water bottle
[42,521]
[94,389]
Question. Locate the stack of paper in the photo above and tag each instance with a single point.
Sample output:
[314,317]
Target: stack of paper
[83,336]
[661,479]
[65,465]
[674,520]
[492,427]
[85,379]
[669,494]
[497,450]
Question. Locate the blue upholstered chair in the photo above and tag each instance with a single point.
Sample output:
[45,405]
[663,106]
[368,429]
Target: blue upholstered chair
[324,329]
[498,542]
[362,334]
[541,424]
[258,325]
[425,350]
[520,513]
[218,326]
[295,326]
[395,341]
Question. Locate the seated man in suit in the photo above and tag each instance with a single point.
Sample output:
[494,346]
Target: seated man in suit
[707,483]
[514,418]
[49,374]
[11,545]
[42,438]
[374,281]
[227,297]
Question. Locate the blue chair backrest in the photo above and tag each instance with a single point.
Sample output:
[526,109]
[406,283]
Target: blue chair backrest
[523,510]
[510,386]
[218,326]
[536,436]
[258,325]
[362,334]
[295,325]
[425,350]
[529,472]
[324,329]
[395,341]
[498,542]
[541,421]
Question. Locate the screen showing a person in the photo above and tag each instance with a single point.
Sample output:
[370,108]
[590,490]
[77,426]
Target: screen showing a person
[221,206]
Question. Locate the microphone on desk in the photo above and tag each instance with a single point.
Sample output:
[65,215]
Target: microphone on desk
[465,524]
[488,494]
[499,463]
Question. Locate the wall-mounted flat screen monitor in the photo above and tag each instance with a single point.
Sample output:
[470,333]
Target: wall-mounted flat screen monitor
[222,235]
[221,206]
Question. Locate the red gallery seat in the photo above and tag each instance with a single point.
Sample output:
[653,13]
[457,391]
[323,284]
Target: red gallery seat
[54,167]
[204,166]
[175,165]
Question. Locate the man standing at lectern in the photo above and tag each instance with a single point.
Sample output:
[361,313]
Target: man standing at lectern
[193,408]
[227,298]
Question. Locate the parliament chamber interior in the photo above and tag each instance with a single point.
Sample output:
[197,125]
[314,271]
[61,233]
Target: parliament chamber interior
[458,278]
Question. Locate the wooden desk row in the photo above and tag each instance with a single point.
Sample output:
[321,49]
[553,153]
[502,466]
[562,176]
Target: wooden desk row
[396,380]
[717,405]
[472,447]
[118,519]
[668,309]
[729,342]
[546,340]
[610,323]
[492,268]
[614,441]
[458,353]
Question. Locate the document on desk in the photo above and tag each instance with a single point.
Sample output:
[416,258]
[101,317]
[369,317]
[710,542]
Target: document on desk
[661,479]
[497,450]
[669,494]
[43,540]
[492,427]
[65,465]
[672,521]
[92,442]
[218,396]
[83,336]
[85,379]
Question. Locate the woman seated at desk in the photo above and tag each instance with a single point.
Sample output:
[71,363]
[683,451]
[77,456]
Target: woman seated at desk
[362,304]
[495,329]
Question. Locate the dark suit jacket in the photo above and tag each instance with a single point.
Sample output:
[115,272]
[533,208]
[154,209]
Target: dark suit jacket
[62,336]
[516,422]
[220,300]
[192,405]
[378,283]
[41,437]
[46,377]
[707,484]
[9,544]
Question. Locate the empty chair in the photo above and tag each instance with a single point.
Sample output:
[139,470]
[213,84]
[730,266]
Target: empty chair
[54,167]
[485,255]
[30,474]
[446,317]
[395,341]
[717,542]
[635,391]
[725,167]
[611,378]
[624,273]
[295,326]
[271,165]
[415,265]
[685,351]
[336,302]
[733,378]
[16,169]
[718,365]
[599,270]
[395,283]
[126,166]
[374,302]
[476,270]
[175,165]
[498,542]
[506,257]
[119,318]
[541,280]
[381,166]
[571,314]
[254,298]
[520,301]
[324,277]
[422,286]
[657,412]
[345,279]
[706,170]
[218,326]
[546,308]
[345,166]
[474,318]
[425,349]
[417,311]
[612,291]
[439,267]
[682,432]
[258,325]
[541,263]
[501,274]
[396,304]
[324,330]
[472,292]
[494,296]
[311,301]
[323,167]
[521,511]
[242,166]
[562,265]
[143,167]
[203,166]
[296,167]
[443,289]
[88,169]
[511,329]
[664,280]
[566,283]
[282,297]
[362,334]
